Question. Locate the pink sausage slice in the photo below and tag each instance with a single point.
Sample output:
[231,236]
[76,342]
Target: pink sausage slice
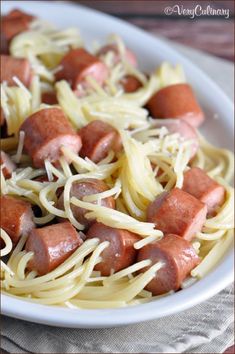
[18,67]
[78,64]
[51,245]
[46,131]
[2,117]
[9,165]
[179,258]
[204,188]
[130,84]
[176,101]
[16,217]
[130,56]
[49,98]
[185,130]
[177,212]
[98,138]
[80,190]
[12,24]
[120,253]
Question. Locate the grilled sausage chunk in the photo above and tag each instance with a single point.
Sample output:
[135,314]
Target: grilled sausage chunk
[179,258]
[16,217]
[46,131]
[185,130]
[177,212]
[15,67]
[176,101]
[120,253]
[129,55]
[9,165]
[12,24]
[204,188]
[78,64]
[51,245]
[130,84]
[98,138]
[81,189]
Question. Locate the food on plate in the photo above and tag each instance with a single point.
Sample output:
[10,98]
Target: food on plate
[16,217]
[179,258]
[45,132]
[82,189]
[177,212]
[176,101]
[51,245]
[12,24]
[98,139]
[207,191]
[110,196]
[120,253]
[8,166]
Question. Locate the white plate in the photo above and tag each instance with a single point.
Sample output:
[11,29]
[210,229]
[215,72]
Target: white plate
[150,51]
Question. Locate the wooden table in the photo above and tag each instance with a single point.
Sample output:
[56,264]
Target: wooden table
[212,34]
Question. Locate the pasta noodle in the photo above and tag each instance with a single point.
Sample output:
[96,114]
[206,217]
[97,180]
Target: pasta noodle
[152,161]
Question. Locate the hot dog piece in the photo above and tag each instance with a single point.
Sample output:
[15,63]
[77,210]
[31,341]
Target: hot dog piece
[16,217]
[177,212]
[51,245]
[2,117]
[176,101]
[15,67]
[179,259]
[204,188]
[129,55]
[49,98]
[185,130]
[9,165]
[120,253]
[12,24]
[78,64]
[46,131]
[81,189]
[98,138]
[130,84]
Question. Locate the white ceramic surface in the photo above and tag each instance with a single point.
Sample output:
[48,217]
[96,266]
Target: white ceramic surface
[150,51]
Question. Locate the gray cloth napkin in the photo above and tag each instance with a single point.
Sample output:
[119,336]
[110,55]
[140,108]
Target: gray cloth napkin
[206,328]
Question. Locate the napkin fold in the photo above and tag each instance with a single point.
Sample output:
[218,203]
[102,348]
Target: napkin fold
[205,328]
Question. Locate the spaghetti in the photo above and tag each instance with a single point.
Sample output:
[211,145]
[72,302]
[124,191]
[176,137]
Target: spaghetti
[131,178]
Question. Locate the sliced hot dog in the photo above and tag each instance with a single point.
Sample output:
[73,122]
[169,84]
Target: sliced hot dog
[49,98]
[46,131]
[78,64]
[129,55]
[130,84]
[51,245]
[177,212]
[12,24]
[16,217]
[179,259]
[185,130]
[98,138]
[17,67]
[82,189]
[176,101]
[120,253]
[9,165]
[2,117]
[204,188]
